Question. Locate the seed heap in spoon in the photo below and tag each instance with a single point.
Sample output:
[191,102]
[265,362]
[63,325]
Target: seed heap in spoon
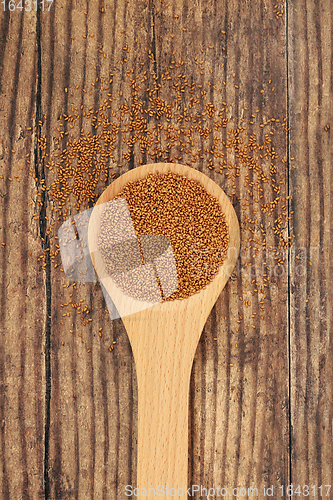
[186,215]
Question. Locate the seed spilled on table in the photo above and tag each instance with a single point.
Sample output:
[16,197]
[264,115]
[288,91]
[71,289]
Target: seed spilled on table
[185,216]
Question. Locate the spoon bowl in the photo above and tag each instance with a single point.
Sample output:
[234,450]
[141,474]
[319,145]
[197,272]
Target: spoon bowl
[164,337]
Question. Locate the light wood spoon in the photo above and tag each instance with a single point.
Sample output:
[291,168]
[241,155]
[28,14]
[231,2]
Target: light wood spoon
[164,338]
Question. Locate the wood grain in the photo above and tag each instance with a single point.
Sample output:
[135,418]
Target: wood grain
[260,410]
[23,292]
[310,55]
[238,389]
[92,447]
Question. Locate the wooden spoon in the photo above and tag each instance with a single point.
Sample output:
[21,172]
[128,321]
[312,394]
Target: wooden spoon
[164,338]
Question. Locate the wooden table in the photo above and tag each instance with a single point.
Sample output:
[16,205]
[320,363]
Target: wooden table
[261,411]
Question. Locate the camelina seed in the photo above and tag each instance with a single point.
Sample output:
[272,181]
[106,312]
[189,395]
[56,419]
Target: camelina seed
[167,211]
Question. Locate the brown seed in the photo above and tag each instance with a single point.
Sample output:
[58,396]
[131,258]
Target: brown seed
[192,224]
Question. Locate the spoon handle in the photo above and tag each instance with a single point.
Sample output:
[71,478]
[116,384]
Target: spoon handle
[163,426]
[163,358]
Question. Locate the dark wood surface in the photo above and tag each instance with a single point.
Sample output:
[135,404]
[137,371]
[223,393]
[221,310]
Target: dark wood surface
[261,387]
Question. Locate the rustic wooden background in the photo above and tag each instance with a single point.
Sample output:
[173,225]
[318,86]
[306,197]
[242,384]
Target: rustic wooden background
[261,409]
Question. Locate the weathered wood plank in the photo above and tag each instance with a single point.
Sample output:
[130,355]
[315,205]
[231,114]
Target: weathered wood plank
[84,408]
[239,383]
[310,77]
[92,425]
[93,394]
[23,314]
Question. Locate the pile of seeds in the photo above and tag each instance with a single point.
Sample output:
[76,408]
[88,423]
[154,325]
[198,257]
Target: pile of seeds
[183,212]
